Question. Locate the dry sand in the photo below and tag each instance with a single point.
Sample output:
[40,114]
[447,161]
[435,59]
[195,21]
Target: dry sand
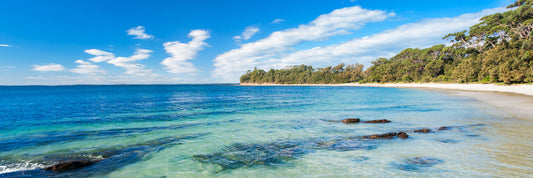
[520,89]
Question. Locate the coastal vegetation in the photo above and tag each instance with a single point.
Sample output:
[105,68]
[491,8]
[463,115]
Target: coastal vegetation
[497,49]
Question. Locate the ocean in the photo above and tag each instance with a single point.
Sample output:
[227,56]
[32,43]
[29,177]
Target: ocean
[255,131]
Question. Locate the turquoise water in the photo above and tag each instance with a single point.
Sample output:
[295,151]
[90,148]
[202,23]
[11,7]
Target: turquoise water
[239,131]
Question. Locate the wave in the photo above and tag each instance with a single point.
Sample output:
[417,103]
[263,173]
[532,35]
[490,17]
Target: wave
[21,166]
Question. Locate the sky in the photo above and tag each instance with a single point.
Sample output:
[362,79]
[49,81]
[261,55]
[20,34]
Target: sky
[212,41]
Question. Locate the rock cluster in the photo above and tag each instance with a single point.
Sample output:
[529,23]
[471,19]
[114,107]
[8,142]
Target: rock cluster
[65,166]
[377,121]
[390,135]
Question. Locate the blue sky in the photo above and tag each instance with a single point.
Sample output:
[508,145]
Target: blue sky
[145,42]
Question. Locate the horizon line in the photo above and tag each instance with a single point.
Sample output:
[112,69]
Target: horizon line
[51,85]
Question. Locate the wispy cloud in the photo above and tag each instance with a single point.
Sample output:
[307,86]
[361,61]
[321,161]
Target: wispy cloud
[130,63]
[4,45]
[182,53]
[277,21]
[385,44]
[231,64]
[85,67]
[247,33]
[101,56]
[139,33]
[49,67]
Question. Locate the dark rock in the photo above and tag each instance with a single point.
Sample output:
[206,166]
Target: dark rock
[65,166]
[381,136]
[351,120]
[424,130]
[391,135]
[377,121]
[444,128]
[402,135]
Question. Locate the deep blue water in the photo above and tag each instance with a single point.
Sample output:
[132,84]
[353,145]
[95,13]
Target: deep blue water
[189,131]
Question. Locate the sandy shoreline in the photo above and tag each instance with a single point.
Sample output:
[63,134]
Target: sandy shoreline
[520,89]
[515,100]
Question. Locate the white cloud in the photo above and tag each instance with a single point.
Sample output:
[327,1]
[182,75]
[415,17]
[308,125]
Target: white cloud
[101,56]
[4,45]
[182,53]
[231,64]
[87,68]
[385,44]
[48,67]
[277,21]
[139,33]
[130,63]
[247,33]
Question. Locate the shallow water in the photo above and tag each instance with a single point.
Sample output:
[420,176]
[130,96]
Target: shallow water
[228,131]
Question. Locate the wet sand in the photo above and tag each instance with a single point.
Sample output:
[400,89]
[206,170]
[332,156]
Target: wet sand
[516,105]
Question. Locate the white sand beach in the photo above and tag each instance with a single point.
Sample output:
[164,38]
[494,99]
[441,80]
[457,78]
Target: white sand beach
[520,89]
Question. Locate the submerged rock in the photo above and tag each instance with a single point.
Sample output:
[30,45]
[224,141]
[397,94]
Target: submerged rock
[332,121]
[424,130]
[448,141]
[360,158]
[473,135]
[378,121]
[327,143]
[348,145]
[269,154]
[426,161]
[466,128]
[417,163]
[97,161]
[351,120]
[65,166]
[279,152]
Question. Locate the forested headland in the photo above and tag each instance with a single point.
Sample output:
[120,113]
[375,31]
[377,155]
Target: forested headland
[499,49]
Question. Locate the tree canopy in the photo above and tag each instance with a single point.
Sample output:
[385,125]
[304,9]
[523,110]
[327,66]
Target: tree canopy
[497,49]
